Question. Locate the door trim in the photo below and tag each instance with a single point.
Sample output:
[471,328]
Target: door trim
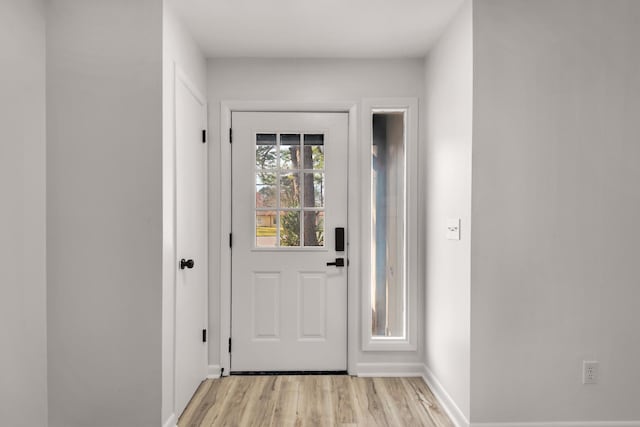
[353,209]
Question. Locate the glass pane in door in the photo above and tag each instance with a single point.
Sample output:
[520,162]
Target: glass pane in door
[290,228]
[290,186]
[266,151]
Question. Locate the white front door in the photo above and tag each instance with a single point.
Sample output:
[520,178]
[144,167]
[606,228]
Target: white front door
[289,194]
[191,235]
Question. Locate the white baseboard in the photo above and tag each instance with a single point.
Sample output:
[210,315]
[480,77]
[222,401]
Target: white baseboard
[562,424]
[448,404]
[389,369]
[459,420]
[213,371]
[172,421]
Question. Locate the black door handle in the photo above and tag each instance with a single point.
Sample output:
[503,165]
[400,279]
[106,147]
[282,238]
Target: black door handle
[339,262]
[186,263]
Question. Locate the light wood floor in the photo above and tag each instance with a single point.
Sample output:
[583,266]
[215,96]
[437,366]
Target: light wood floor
[313,400]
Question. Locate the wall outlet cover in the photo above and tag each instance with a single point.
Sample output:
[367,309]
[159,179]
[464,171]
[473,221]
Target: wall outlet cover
[590,371]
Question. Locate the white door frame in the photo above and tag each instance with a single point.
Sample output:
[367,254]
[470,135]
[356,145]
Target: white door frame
[353,231]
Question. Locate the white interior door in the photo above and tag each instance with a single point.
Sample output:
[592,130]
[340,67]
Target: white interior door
[191,235]
[289,194]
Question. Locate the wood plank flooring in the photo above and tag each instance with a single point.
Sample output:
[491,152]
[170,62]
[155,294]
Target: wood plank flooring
[313,400]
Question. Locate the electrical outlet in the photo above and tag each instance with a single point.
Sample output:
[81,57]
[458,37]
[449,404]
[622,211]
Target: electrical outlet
[590,371]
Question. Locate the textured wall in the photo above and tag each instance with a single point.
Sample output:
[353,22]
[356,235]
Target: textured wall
[104,219]
[555,206]
[447,160]
[23,342]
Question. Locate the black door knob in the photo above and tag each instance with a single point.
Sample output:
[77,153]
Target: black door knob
[339,262]
[186,264]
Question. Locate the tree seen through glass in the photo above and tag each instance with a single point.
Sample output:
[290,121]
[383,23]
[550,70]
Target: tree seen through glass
[289,190]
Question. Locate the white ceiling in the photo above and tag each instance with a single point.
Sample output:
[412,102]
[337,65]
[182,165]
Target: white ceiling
[315,28]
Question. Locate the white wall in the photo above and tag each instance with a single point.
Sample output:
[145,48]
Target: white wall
[23,345]
[305,80]
[447,160]
[104,212]
[180,49]
[555,210]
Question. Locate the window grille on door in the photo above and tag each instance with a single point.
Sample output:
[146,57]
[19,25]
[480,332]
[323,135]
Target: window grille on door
[290,185]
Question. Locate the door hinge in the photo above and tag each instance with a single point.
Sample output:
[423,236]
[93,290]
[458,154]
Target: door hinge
[230,240]
[204,136]
[229,344]
[230,135]
[204,335]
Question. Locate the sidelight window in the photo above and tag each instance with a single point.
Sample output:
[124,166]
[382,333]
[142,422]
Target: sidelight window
[391,230]
[388,206]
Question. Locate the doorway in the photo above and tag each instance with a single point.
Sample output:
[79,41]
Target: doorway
[289,256]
